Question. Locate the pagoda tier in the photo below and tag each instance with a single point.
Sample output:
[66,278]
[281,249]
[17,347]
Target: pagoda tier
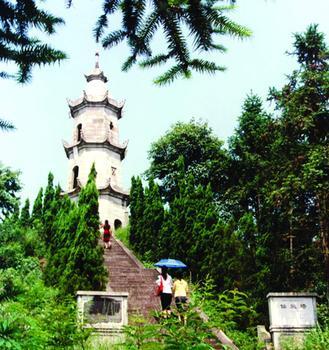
[107,143]
[108,189]
[95,101]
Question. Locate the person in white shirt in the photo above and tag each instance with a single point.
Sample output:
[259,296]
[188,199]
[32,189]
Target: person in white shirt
[166,294]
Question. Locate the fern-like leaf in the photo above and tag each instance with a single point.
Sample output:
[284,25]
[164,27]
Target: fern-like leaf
[172,74]
[6,126]
[113,39]
[154,61]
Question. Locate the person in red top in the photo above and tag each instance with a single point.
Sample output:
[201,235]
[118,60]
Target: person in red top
[107,234]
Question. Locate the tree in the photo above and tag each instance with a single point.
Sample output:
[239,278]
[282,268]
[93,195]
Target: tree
[25,218]
[205,21]
[137,206]
[9,187]
[37,210]
[202,152]
[48,210]
[49,194]
[151,223]
[303,103]
[84,268]
[251,153]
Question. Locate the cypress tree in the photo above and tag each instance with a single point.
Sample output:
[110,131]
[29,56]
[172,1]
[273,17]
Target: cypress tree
[153,217]
[137,207]
[84,266]
[38,207]
[49,195]
[62,242]
[25,219]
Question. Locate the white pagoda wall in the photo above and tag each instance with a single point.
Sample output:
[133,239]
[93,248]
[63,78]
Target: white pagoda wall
[104,160]
[111,209]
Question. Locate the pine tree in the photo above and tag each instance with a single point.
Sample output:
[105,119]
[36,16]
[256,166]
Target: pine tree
[304,152]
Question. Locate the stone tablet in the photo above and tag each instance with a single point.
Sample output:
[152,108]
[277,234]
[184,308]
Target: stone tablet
[291,315]
[103,311]
[292,312]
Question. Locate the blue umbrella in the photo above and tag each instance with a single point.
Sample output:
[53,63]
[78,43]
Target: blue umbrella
[171,263]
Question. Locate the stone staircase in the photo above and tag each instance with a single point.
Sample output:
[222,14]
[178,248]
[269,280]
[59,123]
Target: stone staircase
[127,274]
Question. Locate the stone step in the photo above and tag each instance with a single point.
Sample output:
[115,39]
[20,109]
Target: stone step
[126,274]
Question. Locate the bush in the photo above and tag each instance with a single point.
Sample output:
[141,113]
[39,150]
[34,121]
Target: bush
[317,339]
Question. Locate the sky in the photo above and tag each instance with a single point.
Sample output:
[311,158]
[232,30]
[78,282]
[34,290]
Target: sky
[40,112]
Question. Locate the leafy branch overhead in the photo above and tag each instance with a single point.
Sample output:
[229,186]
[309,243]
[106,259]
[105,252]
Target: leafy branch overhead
[191,27]
[17,19]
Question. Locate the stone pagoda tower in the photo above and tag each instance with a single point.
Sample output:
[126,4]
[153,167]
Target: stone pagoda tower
[95,139]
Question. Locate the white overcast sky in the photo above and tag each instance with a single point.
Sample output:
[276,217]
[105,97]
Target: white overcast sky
[39,109]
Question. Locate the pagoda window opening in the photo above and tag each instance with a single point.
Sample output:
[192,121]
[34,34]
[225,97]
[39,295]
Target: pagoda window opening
[111,126]
[117,224]
[75,176]
[79,129]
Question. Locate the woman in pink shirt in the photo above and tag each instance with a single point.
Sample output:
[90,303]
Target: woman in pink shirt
[166,294]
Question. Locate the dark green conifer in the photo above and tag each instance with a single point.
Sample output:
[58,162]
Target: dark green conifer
[84,267]
[137,207]
[37,210]
[152,221]
[25,219]
[49,194]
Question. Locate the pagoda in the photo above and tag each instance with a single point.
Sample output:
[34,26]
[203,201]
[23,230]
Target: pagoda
[95,140]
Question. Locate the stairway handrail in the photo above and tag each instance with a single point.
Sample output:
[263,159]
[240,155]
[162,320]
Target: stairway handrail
[130,254]
[218,333]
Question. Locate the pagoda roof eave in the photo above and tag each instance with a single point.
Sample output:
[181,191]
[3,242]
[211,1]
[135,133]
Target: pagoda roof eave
[120,149]
[106,102]
[115,191]
[96,76]
[108,189]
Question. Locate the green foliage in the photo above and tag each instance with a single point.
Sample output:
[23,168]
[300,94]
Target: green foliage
[317,339]
[137,207]
[201,152]
[255,216]
[205,22]
[9,187]
[323,314]
[37,210]
[18,45]
[168,334]
[229,310]
[123,234]
[151,222]
[75,259]
[32,316]
[25,218]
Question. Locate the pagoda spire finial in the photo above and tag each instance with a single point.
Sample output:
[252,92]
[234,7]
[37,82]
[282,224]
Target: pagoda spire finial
[97,59]
[96,73]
